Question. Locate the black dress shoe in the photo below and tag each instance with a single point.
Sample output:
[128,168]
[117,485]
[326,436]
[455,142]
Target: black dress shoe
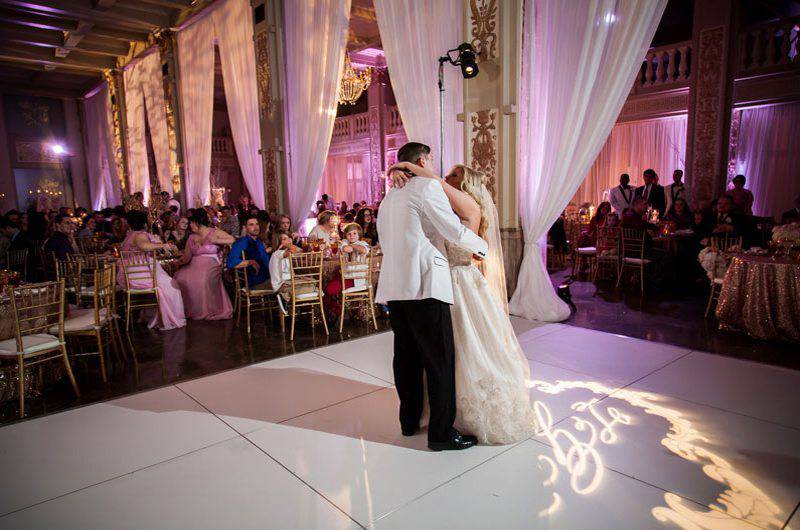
[409,432]
[456,442]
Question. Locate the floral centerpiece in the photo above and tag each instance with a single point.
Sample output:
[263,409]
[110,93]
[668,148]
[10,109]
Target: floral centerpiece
[787,235]
[8,277]
[713,262]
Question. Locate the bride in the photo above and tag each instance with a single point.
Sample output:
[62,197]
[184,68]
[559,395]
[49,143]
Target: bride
[492,400]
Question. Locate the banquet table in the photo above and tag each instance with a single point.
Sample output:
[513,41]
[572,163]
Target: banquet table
[760,296]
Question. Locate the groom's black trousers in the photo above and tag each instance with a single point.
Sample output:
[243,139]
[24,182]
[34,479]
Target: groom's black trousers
[423,339]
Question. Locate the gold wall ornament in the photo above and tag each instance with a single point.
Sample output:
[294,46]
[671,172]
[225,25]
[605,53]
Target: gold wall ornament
[271,177]
[354,82]
[264,76]
[484,145]
[164,39]
[483,15]
[34,114]
[115,125]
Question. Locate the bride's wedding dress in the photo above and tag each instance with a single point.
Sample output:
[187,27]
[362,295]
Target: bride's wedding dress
[492,399]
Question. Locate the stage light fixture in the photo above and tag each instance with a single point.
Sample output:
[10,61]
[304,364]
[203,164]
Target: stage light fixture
[469,69]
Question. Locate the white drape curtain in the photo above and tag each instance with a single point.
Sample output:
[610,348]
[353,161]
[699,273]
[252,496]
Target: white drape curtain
[579,60]
[230,25]
[316,35]
[100,163]
[346,178]
[144,92]
[414,34]
[768,154]
[631,148]
[196,70]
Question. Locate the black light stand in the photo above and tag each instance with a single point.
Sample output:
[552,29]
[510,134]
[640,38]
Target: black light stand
[469,69]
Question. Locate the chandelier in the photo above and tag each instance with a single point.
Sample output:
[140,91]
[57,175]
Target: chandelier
[354,82]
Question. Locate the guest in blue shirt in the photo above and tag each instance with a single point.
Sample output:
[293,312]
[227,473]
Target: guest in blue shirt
[256,258]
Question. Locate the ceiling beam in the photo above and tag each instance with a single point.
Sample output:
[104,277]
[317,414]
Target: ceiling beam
[43,56]
[119,34]
[58,93]
[6,64]
[74,9]
[36,21]
[73,38]
[172,4]
[52,39]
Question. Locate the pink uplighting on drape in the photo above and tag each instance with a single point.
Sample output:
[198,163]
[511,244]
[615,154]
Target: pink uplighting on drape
[579,60]
[316,35]
[631,148]
[144,92]
[768,154]
[101,165]
[346,178]
[230,25]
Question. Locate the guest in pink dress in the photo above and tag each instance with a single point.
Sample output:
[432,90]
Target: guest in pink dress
[200,277]
[169,296]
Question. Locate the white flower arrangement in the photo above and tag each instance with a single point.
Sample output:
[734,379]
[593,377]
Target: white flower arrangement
[788,234]
[713,263]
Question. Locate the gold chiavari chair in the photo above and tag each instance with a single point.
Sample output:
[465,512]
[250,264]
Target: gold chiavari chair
[68,271]
[140,282]
[582,256]
[91,245]
[17,260]
[254,300]
[38,311]
[358,269]
[48,262]
[306,286]
[720,243]
[93,322]
[632,254]
[607,250]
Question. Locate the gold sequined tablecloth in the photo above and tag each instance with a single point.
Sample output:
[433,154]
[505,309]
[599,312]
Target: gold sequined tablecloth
[761,297]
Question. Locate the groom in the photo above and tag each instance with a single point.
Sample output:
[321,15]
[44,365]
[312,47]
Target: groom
[415,281]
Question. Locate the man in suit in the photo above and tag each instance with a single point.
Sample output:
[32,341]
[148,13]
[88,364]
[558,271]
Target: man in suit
[652,192]
[676,190]
[621,196]
[414,222]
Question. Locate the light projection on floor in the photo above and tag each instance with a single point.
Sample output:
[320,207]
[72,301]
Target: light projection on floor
[577,453]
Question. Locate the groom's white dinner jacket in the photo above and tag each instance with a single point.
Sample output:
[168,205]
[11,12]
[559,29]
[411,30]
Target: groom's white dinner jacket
[413,223]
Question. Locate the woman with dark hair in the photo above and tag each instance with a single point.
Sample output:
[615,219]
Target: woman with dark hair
[170,302]
[369,227]
[679,215]
[588,237]
[200,275]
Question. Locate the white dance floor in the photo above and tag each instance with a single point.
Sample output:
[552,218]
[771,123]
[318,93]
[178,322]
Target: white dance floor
[632,435]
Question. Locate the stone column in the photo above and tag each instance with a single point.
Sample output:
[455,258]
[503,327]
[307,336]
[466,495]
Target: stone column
[166,41]
[268,40]
[710,100]
[376,112]
[490,113]
[8,189]
[76,162]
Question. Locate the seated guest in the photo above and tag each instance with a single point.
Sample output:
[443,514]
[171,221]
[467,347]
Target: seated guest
[621,196]
[343,208]
[200,275]
[179,234]
[320,207]
[17,239]
[327,228]
[353,246]
[88,228]
[679,215]
[279,261]
[170,300]
[700,225]
[793,215]
[676,190]
[62,242]
[742,198]
[557,236]
[369,226]
[256,258]
[265,230]
[227,222]
[727,218]
[634,217]
[119,229]
[285,225]
[588,236]
[328,201]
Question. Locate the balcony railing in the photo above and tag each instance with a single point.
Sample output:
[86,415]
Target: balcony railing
[221,145]
[665,65]
[356,126]
[769,46]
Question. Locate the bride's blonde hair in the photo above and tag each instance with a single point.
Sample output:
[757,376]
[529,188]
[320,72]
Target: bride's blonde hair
[472,183]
